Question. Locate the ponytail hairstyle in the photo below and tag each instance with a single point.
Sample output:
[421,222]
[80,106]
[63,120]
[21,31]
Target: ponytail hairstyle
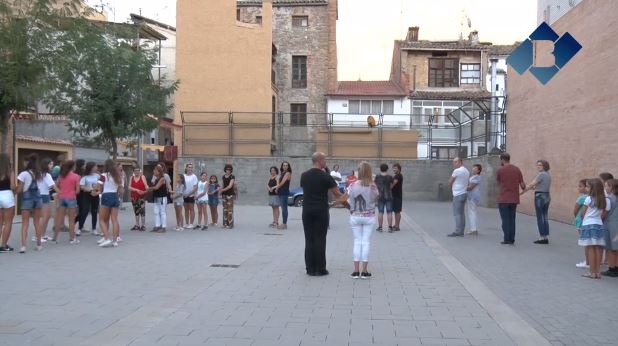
[112,169]
[66,168]
[5,166]
[32,165]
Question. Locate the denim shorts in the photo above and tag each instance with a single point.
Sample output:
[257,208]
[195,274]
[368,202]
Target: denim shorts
[46,199]
[382,203]
[213,201]
[67,203]
[110,200]
[29,201]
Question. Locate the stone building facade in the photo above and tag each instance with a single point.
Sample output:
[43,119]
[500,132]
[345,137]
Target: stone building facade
[304,34]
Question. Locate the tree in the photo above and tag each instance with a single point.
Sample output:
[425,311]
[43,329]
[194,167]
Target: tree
[28,42]
[107,87]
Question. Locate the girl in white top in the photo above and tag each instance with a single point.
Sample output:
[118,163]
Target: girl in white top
[362,198]
[110,186]
[202,202]
[7,201]
[592,234]
[45,185]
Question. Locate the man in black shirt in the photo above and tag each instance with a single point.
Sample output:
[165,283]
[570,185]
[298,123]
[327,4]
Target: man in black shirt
[397,194]
[316,183]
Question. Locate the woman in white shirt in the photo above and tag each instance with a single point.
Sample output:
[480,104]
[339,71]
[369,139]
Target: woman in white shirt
[110,185]
[362,198]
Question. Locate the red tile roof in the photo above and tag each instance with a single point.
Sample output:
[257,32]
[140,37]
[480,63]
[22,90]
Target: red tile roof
[368,88]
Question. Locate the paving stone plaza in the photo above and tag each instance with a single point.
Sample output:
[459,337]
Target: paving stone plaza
[426,289]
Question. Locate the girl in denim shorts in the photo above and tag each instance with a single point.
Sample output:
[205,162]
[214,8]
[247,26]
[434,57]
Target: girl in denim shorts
[31,201]
[110,185]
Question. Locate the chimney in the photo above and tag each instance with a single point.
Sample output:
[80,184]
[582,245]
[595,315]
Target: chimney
[474,37]
[412,34]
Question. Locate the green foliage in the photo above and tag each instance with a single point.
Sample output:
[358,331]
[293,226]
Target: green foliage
[105,83]
[27,49]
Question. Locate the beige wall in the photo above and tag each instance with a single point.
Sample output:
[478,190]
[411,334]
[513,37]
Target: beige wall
[223,65]
[570,121]
[364,143]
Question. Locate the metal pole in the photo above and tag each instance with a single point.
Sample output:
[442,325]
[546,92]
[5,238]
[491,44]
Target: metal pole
[494,113]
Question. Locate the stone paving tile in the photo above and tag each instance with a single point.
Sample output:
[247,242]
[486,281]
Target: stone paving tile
[158,289]
[540,283]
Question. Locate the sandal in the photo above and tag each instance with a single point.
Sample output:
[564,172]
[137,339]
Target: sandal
[589,276]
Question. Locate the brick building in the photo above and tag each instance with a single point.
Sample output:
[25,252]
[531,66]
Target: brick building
[571,120]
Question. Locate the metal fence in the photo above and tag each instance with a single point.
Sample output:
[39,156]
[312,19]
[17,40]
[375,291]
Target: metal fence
[475,128]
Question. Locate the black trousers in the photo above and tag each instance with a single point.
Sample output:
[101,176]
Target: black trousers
[87,204]
[315,224]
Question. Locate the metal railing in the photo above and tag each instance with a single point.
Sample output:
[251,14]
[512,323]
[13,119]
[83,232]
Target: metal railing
[471,130]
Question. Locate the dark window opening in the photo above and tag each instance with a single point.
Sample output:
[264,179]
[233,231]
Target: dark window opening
[298,114]
[443,72]
[299,72]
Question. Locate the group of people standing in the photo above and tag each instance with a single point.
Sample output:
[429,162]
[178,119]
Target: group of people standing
[78,190]
[278,187]
[362,196]
[188,190]
[595,211]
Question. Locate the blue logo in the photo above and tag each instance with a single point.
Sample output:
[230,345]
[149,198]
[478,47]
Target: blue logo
[565,48]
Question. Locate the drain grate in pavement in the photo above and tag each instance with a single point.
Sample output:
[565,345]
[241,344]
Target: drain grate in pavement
[216,265]
[273,233]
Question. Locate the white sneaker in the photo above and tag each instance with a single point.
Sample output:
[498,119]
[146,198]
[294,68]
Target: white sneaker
[43,240]
[189,226]
[105,243]
[38,248]
[115,244]
[582,264]
[74,241]
[22,249]
[178,229]
[118,240]
[101,240]
[97,233]
[78,232]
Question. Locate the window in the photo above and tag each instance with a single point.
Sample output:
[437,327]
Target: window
[443,72]
[258,19]
[299,72]
[354,107]
[388,107]
[371,107]
[238,14]
[298,114]
[470,73]
[300,21]
[443,153]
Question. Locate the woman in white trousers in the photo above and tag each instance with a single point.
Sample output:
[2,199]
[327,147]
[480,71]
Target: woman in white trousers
[362,198]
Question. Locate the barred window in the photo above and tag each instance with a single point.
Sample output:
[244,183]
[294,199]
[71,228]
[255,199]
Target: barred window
[299,72]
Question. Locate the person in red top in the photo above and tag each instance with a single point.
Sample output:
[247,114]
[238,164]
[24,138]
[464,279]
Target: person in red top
[68,185]
[510,180]
[350,179]
[139,188]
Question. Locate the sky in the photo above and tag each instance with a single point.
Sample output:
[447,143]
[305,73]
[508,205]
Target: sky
[366,29]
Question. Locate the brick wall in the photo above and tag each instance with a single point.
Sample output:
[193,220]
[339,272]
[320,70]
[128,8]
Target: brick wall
[570,121]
